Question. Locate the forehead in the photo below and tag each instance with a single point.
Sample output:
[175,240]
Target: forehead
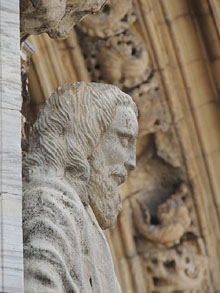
[125,121]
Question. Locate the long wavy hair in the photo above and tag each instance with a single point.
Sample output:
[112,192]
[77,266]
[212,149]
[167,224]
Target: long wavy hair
[69,128]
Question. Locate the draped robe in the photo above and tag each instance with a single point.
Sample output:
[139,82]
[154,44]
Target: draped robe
[65,250]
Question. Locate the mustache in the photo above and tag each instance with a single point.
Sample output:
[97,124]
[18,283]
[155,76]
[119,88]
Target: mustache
[117,170]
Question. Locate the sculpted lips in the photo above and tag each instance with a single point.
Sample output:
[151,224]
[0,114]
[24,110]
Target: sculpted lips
[118,178]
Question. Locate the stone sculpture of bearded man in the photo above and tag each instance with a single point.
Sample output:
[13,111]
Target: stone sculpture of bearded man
[82,147]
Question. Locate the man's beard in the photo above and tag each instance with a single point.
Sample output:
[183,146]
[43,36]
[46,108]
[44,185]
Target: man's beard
[104,196]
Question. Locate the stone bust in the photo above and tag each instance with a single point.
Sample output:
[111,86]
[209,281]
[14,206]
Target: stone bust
[55,17]
[82,146]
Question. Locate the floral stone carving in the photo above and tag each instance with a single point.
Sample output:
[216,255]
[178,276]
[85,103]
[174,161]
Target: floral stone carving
[55,17]
[115,17]
[81,148]
[179,269]
[122,60]
[172,253]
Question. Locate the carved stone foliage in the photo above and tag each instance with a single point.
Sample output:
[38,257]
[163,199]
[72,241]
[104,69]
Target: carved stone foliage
[115,17]
[120,57]
[172,253]
[81,148]
[180,269]
[166,232]
[122,60]
[56,18]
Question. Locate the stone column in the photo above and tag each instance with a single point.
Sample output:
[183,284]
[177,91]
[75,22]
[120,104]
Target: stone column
[11,247]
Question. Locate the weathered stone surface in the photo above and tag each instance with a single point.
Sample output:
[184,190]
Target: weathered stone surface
[172,253]
[122,60]
[168,147]
[82,147]
[115,17]
[152,111]
[180,269]
[173,219]
[56,18]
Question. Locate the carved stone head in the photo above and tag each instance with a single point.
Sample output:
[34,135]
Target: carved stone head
[55,17]
[86,136]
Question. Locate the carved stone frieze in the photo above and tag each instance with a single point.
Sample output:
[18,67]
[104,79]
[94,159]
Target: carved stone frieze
[81,148]
[55,17]
[115,17]
[122,60]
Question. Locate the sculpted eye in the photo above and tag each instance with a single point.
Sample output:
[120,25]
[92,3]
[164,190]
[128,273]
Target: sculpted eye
[124,141]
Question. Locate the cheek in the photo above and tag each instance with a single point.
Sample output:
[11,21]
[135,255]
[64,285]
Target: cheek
[113,152]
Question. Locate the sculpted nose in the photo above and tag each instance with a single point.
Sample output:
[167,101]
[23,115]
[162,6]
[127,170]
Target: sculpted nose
[131,163]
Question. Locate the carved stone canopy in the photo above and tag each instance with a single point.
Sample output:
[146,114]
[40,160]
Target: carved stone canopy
[55,17]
